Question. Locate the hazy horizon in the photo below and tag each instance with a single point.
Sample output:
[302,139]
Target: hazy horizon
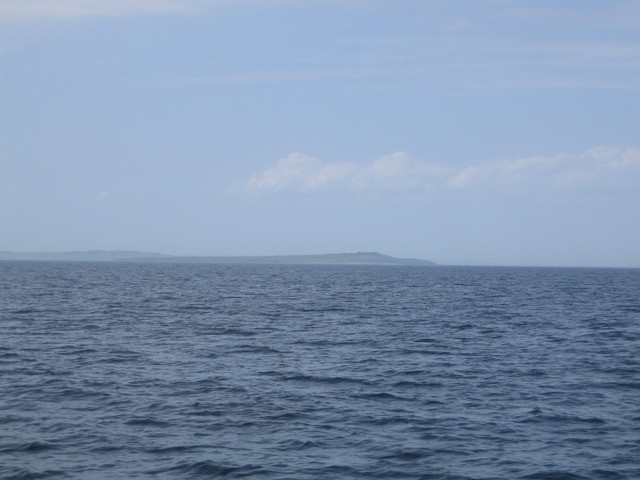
[314,254]
[463,133]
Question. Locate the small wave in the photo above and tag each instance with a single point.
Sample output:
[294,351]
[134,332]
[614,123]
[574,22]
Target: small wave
[212,469]
[406,455]
[173,449]
[78,351]
[254,349]
[229,424]
[108,448]
[415,351]
[11,419]
[630,308]
[409,372]
[147,422]
[123,351]
[206,413]
[323,309]
[464,326]
[32,447]
[578,440]
[330,380]
[409,383]
[23,311]
[286,416]
[332,342]
[599,473]
[538,418]
[194,308]
[75,393]
[92,326]
[339,471]
[320,343]
[24,474]
[622,385]
[380,396]
[121,356]
[443,476]
[553,476]
[295,444]
[388,420]
[39,370]
[229,331]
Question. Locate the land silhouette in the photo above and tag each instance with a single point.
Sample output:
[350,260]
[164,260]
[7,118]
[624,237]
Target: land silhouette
[357,258]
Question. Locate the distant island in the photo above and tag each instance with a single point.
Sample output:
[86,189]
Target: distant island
[358,258]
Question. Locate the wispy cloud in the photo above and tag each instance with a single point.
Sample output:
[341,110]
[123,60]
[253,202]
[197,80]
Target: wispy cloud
[459,24]
[604,14]
[16,9]
[299,172]
[599,167]
[274,76]
[100,197]
[76,8]
[397,171]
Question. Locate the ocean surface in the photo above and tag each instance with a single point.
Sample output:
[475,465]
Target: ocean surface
[180,371]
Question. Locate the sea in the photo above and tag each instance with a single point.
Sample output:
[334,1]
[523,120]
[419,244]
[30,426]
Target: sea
[193,371]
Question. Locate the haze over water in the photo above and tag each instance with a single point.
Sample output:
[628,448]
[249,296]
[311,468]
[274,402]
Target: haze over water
[162,371]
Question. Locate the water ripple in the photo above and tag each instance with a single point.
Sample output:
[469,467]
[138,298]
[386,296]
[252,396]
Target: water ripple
[318,372]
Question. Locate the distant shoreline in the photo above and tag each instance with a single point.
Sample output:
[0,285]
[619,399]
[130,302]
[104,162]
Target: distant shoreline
[358,258]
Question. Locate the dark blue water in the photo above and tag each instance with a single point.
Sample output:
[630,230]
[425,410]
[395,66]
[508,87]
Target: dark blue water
[170,371]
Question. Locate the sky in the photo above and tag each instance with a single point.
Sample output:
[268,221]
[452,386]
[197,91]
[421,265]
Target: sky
[466,132]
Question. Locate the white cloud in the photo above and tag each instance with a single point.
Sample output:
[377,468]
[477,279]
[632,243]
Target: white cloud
[302,173]
[505,173]
[299,172]
[597,168]
[397,171]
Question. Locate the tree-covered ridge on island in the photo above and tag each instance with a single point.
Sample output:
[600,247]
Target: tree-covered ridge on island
[358,258]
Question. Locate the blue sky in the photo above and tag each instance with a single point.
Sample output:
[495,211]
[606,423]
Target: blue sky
[489,132]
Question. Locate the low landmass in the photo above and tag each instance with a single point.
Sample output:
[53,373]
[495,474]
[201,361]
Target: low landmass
[358,258]
[361,258]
